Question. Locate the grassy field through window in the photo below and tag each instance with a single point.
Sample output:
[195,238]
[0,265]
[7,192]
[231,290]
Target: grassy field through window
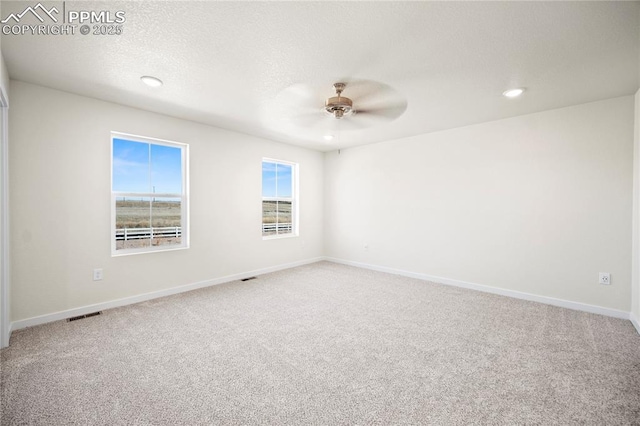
[147,222]
[276,217]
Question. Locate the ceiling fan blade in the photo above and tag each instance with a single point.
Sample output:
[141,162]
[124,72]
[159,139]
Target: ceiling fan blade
[367,118]
[367,93]
[309,119]
[347,124]
[300,98]
[384,113]
[296,106]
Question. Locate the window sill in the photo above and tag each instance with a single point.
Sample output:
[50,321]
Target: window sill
[146,250]
[279,237]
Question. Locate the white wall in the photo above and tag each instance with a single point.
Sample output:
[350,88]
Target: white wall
[5,307]
[60,203]
[537,204]
[635,259]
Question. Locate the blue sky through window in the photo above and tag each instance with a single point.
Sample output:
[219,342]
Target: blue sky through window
[148,168]
[276,180]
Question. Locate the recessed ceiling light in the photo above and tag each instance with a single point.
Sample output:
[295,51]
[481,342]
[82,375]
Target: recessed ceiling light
[151,81]
[328,137]
[513,93]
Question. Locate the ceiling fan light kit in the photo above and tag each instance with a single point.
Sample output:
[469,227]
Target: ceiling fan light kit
[339,106]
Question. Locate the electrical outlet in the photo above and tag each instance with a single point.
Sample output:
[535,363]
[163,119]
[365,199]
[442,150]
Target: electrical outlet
[97,274]
[605,278]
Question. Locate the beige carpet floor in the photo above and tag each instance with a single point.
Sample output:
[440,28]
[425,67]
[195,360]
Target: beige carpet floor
[326,344]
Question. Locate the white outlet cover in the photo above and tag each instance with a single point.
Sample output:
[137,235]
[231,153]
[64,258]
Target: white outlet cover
[97,274]
[604,278]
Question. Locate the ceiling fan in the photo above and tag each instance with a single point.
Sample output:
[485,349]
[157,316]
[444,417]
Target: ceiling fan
[369,103]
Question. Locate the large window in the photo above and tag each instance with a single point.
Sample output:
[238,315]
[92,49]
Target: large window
[148,194]
[279,203]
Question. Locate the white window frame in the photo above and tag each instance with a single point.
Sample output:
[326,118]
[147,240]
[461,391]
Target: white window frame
[294,199]
[184,197]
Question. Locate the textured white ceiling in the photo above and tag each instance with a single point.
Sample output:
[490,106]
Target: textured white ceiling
[229,63]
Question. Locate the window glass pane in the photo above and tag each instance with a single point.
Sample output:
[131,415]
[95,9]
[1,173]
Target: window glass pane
[166,219]
[130,166]
[284,217]
[269,217]
[268,179]
[132,222]
[166,169]
[284,187]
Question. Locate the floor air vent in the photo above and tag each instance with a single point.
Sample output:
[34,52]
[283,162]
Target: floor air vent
[92,314]
[247,279]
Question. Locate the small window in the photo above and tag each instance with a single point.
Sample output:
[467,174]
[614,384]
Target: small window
[148,194]
[279,201]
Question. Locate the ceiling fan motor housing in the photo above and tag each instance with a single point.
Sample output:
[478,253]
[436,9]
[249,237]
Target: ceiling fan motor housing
[338,106]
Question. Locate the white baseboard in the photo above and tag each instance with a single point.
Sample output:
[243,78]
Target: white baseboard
[83,310]
[635,321]
[494,290]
